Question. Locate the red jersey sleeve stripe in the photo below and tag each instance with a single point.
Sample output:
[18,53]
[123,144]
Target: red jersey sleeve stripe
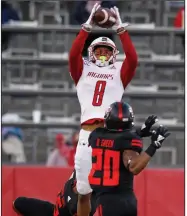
[136,142]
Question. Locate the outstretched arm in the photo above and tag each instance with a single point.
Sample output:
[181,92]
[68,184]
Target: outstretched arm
[131,60]
[130,63]
[136,162]
[75,56]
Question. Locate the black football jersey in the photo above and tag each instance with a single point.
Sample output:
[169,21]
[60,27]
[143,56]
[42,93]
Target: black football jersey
[108,173]
[66,202]
[70,199]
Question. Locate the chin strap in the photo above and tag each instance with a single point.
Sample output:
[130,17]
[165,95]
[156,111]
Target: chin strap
[87,27]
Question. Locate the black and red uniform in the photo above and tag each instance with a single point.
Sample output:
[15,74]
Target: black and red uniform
[109,178]
[66,203]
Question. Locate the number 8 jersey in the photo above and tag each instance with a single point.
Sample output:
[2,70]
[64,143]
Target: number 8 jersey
[97,88]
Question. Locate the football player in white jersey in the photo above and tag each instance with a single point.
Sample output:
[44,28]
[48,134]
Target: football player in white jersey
[99,81]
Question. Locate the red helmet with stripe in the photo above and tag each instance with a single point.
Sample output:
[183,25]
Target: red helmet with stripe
[119,116]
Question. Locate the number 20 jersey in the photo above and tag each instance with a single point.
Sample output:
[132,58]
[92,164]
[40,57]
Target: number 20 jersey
[108,173]
[97,88]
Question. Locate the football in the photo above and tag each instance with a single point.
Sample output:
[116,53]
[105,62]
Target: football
[104,18]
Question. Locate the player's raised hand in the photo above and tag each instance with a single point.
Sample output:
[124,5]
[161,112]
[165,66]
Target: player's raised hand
[159,136]
[119,26]
[87,26]
[145,130]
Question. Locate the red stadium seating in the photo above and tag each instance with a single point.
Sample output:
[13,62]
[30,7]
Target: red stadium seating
[159,191]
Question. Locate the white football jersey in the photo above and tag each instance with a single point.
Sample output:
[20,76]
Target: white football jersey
[97,88]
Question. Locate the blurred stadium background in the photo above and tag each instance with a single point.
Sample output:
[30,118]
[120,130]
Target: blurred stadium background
[38,96]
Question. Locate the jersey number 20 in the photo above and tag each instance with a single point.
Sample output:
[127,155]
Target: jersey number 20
[107,162]
[99,93]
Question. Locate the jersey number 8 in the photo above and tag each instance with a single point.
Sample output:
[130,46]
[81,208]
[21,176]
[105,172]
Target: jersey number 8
[99,93]
[107,163]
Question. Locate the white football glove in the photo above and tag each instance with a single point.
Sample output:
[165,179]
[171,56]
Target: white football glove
[87,26]
[119,27]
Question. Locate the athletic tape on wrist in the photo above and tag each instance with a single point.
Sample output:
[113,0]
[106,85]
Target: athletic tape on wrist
[87,27]
[120,30]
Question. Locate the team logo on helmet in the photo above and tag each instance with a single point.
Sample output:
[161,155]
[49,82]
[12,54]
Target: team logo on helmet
[104,39]
[131,111]
[107,112]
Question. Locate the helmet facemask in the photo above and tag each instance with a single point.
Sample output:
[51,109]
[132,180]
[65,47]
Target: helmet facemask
[102,62]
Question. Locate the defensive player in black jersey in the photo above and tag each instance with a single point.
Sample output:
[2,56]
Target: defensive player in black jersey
[66,203]
[117,156]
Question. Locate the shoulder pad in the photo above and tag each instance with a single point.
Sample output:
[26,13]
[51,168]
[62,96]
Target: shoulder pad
[91,137]
[94,135]
[133,141]
[118,64]
[135,135]
[95,132]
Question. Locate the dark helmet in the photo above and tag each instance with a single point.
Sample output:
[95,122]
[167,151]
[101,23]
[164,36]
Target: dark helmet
[119,116]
